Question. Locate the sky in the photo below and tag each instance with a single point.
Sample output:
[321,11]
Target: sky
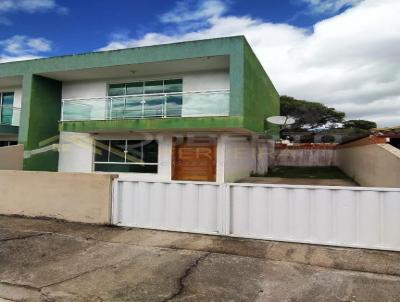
[343,53]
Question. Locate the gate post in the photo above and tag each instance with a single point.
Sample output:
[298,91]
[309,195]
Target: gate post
[224,209]
[115,202]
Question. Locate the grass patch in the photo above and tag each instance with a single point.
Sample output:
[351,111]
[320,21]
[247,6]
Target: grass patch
[306,172]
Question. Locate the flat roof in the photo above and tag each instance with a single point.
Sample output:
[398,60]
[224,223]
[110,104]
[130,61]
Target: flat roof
[136,55]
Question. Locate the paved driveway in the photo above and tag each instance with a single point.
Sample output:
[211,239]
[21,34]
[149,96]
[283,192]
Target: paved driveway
[44,260]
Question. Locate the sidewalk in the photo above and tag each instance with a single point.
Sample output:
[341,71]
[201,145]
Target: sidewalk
[47,260]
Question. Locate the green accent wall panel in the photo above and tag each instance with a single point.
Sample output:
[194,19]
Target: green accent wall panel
[46,161]
[41,111]
[158,124]
[261,99]
[139,55]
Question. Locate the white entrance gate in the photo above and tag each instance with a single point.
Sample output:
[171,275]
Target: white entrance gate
[341,216]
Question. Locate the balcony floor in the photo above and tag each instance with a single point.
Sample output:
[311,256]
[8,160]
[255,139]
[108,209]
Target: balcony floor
[156,124]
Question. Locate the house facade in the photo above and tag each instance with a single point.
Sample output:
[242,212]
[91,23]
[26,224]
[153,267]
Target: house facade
[182,111]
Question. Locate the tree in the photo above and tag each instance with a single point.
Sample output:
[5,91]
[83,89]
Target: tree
[309,114]
[360,124]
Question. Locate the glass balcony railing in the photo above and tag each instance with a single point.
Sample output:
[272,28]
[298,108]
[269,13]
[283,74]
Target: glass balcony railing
[9,115]
[160,105]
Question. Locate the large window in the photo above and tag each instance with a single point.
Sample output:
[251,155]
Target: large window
[146,99]
[6,107]
[135,156]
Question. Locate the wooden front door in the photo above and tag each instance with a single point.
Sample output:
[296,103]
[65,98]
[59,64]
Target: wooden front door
[194,160]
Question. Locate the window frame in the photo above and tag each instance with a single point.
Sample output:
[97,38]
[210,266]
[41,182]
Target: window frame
[125,162]
[142,99]
[6,92]
[144,86]
[3,116]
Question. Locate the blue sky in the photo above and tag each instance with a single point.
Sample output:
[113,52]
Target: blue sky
[345,53]
[81,26]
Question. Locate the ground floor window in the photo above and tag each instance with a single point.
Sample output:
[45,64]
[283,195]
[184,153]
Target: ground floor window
[132,156]
[7,143]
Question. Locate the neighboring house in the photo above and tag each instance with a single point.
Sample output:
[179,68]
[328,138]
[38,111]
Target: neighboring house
[182,111]
[10,109]
[392,134]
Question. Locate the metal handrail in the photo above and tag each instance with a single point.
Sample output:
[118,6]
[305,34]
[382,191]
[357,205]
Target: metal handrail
[117,107]
[147,95]
[14,118]
[11,107]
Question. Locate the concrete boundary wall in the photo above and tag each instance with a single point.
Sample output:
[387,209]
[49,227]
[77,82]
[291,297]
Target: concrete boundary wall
[304,155]
[375,165]
[79,197]
[11,157]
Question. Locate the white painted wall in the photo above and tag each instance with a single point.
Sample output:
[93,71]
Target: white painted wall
[195,81]
[84,89]
[208,80]
[239,157]
[77,154]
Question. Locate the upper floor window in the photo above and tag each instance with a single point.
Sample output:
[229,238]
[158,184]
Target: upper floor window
[6,107]
[146,99]
[146,87]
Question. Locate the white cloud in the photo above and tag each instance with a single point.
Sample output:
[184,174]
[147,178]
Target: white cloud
[329,6]
[7,58]
[30,6]
[184,11]
[350,61]
[27,6]
[19,48]
[39,44]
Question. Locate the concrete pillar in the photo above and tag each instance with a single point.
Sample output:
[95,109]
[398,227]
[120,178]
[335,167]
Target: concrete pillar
[40,115]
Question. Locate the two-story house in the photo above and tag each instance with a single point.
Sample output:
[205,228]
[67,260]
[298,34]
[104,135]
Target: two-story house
[181,111]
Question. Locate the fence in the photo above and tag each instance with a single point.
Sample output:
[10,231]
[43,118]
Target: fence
[80,197]
[341,216]
[188,207]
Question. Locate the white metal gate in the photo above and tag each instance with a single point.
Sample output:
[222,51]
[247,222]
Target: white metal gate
[342,216]
[177,206]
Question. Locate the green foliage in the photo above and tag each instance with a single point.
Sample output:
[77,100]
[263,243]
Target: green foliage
[360,124]
[310,114]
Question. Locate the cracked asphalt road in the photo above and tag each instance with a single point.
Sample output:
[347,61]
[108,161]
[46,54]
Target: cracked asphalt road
[44,260]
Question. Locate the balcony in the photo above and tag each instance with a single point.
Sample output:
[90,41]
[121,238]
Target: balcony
[9,116]
[157,105]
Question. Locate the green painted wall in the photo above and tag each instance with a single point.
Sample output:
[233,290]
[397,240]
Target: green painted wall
[155,124]
[261,99]
[41,110]
[47,161]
